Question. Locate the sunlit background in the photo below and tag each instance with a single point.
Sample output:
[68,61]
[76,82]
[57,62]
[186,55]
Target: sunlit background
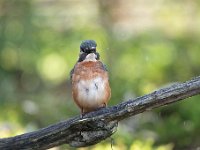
[146,45]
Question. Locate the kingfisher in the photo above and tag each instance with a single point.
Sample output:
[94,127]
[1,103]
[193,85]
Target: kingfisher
[89,79]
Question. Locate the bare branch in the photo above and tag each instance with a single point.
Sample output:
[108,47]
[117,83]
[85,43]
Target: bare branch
[98,125]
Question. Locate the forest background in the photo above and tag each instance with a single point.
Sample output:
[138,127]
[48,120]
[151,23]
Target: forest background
[146,45]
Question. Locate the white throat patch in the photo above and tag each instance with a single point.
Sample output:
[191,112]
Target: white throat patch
[91,57]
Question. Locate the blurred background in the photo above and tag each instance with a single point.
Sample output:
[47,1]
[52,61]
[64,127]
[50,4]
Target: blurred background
[146,45]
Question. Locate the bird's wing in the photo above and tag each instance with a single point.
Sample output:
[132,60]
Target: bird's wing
[71,74]
[104,67]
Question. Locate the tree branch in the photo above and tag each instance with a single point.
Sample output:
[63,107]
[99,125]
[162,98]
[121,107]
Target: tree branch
[98,125]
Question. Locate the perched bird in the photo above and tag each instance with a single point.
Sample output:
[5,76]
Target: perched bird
[89,78]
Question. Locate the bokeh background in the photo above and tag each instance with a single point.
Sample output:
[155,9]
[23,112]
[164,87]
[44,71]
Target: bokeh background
[146,45]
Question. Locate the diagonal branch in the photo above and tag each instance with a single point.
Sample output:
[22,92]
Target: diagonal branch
[98,125]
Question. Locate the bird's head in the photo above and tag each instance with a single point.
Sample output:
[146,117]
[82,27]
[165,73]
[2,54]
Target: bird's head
[88,46]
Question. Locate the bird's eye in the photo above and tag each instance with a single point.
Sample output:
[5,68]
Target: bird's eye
[85,50]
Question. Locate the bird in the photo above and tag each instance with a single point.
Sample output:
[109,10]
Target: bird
[89,79]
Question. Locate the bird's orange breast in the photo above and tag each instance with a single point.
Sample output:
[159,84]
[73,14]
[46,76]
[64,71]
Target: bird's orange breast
[90,85]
